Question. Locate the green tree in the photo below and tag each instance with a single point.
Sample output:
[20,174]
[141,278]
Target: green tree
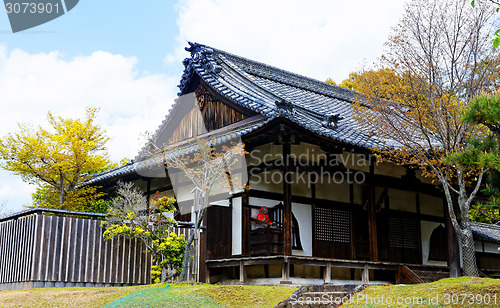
[58,160]
[128,216]
[438,60]
[485,110]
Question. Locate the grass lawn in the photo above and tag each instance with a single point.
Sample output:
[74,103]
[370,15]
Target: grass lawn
[453,292]
[160,295]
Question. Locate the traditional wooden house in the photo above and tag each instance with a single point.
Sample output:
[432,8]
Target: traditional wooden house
[337,214]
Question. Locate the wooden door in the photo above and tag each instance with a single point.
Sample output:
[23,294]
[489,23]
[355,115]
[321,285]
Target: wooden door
[333,233]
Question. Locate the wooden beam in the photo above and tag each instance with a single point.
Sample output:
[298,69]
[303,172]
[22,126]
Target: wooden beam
[453,250]
[311,261]
[372,216]
[287,204]
[245,225]
[384,181]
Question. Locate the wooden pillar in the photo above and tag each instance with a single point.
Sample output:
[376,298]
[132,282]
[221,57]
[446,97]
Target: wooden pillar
[328,272]
[203,275]
[365,275]
[243,272]
[245,225]
[453,247]
[287,204]
[372,215]
[285,272]
[314,179]
[351,218]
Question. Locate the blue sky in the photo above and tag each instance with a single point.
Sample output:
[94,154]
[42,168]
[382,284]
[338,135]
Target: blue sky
[125,57]
[144,29]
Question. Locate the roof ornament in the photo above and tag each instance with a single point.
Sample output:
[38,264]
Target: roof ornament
[331,120]
[200,55]
[284,107]
[204,55]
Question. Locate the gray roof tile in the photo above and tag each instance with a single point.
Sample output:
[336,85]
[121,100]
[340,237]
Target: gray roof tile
[257,87]
[486,232]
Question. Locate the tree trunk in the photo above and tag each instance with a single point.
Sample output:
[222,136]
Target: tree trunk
[186,260]
[463,229]
[163,275]
[468,251]
[61,193]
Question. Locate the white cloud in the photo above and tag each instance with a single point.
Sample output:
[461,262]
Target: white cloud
[33,84]
[319,39]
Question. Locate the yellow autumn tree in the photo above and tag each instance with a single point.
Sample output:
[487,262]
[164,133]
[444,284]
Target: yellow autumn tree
[438,60]
[58,160]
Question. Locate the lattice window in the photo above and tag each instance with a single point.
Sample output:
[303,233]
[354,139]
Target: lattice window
[324,224]
[333,225]
[341,226]
[403,233]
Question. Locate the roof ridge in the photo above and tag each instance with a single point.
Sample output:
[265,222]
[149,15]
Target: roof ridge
[324,87]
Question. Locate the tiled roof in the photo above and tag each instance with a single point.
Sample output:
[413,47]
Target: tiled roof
[257,86]
[319,107]
[486,232]
[219,136]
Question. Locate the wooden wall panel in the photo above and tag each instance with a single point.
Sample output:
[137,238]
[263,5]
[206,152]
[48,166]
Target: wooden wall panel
[206,115]
[62,249]
[218,233]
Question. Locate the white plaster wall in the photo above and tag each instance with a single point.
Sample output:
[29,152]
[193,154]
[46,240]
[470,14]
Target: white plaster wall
[271,181]
[426,230]
[488,247]
[491,247]
[327,189]
[301,185]
[402,200]
[303,214]
[389,169]
[430,205]
[354,161]
[478,246]
[236,223]
[264,153]
[308,152]
[183,191]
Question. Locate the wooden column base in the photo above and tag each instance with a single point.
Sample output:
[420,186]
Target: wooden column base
[328,273]
[285,272]
[243,272]
[365,275]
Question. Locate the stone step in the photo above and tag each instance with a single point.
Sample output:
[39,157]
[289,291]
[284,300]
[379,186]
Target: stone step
[430,276]
[332,288]
[319,296]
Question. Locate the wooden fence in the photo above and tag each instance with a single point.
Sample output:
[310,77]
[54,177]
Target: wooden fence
[37,250]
